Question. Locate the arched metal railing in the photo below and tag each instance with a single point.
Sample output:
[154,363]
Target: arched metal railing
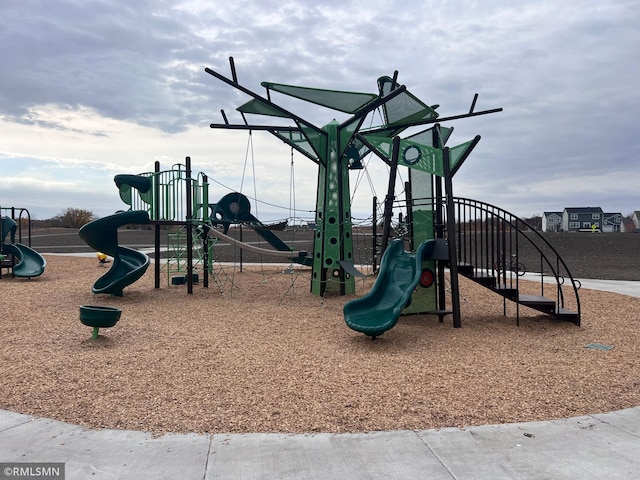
[494,246]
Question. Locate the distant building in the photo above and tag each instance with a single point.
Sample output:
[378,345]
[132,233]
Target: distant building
[636,220]
[611,222]
[582,219]
[551,221]
[627,225]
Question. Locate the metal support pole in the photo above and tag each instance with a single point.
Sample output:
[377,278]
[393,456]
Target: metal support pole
[154,218]
[241,240]
[388,202]
[451,239]
[409,207]
[189,220]
[374,235]
[205,236]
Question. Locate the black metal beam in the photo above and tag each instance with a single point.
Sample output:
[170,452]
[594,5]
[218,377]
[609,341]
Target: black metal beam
[473,103]
[253,127]
[260,98]
[451,240]
[388,201]
[403,126]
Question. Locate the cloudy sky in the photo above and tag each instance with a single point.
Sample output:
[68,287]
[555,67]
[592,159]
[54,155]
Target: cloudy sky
[93,88]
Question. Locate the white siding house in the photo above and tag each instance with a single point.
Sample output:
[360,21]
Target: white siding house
[551,221]
[611,222]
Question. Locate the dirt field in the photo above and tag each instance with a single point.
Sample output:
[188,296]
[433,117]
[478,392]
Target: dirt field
[606,256]
[257,353]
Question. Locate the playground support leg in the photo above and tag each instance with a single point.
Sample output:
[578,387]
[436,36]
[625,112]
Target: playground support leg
[388,202]
[442,301]
[156,254]
[154,214]
[189,220]
[451,240]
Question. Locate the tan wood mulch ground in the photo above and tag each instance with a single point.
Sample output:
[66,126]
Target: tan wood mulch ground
[264,355]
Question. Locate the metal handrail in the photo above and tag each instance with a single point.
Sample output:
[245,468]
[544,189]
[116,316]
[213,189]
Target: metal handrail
[482,230]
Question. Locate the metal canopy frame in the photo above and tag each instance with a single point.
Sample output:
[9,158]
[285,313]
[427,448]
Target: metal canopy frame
[333,147]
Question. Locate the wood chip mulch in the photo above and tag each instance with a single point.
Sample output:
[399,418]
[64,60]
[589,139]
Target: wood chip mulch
[256,352]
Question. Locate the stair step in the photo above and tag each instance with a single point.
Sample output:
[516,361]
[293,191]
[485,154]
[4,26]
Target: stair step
[507,291]
[486,280]
[465,269]
[568,315]
[537,302]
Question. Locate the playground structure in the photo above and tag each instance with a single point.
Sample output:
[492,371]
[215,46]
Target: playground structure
[463,236]
[432,209]
[21,259]
[176,202]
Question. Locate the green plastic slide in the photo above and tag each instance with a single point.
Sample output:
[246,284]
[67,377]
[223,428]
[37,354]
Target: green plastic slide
[128,264]
[29,262]
[379,309]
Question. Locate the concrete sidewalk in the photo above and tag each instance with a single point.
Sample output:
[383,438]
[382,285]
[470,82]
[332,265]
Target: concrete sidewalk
[597,446]
[624,287]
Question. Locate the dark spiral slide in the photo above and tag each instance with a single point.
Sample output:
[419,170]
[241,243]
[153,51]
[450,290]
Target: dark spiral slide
[128,264]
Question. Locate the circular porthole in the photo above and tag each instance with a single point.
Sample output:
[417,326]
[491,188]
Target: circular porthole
[412,154]
[426,278]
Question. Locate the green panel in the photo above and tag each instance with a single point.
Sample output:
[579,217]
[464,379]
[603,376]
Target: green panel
[309,140]
[421,157]
[445,133]
[347,132]
[316,139]
[458,152]
[298,141]
[425,137]
[348,102]
[404,108]
[423,299]
[383,132]
[259,107]
[383,144]
[147,197]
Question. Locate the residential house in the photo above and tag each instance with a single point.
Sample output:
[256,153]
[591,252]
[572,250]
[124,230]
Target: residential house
[627,225]
[611,222]
[582,219]
[636,220]
[551,221]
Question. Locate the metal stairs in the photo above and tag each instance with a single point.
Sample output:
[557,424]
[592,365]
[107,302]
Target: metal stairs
[485,235]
